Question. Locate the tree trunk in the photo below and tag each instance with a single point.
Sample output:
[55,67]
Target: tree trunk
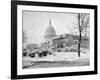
[79,41]
[85,32]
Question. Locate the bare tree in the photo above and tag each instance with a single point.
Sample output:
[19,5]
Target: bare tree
[86,25]
[83,22]
[24,38]
[73,29]
[79,42]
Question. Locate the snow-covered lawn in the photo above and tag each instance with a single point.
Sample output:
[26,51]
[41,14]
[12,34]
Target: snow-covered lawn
[59,57]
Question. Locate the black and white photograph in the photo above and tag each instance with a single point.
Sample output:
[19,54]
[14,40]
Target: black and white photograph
[53,39]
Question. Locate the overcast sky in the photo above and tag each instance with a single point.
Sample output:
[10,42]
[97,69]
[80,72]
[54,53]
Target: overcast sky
[35,24]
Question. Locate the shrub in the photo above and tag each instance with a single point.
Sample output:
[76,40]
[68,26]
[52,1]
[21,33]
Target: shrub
[24,54]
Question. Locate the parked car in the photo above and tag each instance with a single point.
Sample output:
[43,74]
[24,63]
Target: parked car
[24,53]
[40,53]
[32,55]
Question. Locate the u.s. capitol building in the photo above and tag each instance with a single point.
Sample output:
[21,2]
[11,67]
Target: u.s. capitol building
[57,42]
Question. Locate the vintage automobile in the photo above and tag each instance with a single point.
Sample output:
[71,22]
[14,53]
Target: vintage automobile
[40,53]
[25,52]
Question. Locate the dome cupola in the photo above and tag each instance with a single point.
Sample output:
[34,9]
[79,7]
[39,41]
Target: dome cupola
[50,31]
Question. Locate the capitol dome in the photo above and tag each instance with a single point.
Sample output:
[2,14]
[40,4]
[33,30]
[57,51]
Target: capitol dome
[50,31]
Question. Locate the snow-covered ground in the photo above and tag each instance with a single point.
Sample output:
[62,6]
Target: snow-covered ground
[59,57]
